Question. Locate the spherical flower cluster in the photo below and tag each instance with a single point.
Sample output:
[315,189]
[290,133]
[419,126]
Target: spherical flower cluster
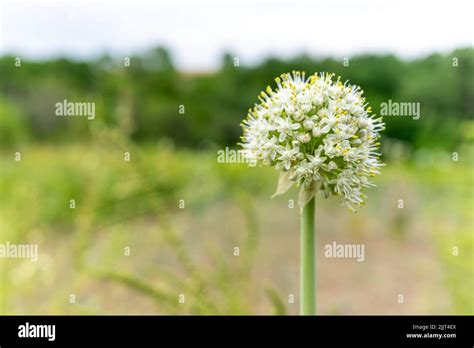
[319,133]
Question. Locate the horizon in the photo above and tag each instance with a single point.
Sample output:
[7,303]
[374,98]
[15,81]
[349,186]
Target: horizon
[117,58]
[83,30]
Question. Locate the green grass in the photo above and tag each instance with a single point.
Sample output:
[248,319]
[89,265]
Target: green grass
[190,251]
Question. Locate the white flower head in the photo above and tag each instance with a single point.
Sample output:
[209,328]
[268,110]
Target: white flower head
[319,132]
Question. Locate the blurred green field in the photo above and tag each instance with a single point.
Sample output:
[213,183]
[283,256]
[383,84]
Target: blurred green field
[182,214]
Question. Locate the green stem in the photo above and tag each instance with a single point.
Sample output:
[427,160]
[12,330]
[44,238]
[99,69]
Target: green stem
[307,271]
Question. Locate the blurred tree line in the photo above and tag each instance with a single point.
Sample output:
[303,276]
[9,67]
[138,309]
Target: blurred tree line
[151,99]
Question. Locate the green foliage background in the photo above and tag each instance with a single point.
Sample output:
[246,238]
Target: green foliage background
[144,98]
[173,157]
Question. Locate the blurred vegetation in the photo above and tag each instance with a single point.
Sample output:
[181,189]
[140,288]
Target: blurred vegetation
[144,98]
[190,251]
[136,204]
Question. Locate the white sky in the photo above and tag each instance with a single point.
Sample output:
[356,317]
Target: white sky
[197,32]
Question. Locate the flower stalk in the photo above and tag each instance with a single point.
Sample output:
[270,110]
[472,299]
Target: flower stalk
[307,260]
[322,137]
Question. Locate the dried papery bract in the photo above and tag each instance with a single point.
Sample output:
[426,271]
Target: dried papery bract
[320,134]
